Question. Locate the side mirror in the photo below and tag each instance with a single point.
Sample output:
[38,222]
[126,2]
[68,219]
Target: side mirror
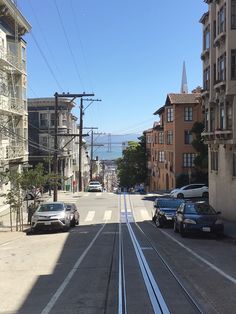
[218,213]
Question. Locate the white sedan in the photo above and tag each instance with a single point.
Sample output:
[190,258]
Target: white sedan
[191,190]
[94,186]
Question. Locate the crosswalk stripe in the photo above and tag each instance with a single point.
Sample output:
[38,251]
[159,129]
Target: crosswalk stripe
[90,215]
[107,215]
[145,214]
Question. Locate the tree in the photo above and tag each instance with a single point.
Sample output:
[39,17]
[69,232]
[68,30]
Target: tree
[132,166]
[20,183]
[201,161]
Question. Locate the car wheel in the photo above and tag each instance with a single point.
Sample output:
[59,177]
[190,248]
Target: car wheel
[159,224]
[73,222]
[175,227]
[180,195]
[205,195]
[77,222]
[181,231]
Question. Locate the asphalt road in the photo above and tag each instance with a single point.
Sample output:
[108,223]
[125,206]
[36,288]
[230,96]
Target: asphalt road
[116,261]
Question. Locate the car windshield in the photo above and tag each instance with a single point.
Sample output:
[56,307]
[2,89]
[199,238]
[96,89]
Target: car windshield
[199,209]
[169,204]
[50,207]
[94,183]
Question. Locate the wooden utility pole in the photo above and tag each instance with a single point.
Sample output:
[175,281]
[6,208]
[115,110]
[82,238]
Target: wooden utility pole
[55,161]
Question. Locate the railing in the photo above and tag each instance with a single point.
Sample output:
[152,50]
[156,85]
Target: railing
[12,61]
[11,152]
[12,105]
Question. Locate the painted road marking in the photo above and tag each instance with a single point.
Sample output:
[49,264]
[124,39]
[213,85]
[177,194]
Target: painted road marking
[145,215]
[90,215]
[107,215]
[218,270]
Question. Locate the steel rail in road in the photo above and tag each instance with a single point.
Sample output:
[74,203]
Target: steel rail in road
[158,303]
[187,294]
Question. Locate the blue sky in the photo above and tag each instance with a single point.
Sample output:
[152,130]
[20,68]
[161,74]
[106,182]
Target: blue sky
[129,53]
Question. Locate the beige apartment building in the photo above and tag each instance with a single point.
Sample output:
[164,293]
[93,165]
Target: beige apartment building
[219,102]
[170,153]
[13,99]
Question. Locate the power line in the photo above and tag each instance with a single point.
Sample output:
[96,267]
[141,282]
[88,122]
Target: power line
[69,46]
[46,61]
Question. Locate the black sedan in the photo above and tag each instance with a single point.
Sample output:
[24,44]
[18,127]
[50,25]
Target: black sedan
[197,217]
[165,209]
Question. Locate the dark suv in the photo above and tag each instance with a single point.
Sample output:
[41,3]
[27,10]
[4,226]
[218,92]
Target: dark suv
[165,209]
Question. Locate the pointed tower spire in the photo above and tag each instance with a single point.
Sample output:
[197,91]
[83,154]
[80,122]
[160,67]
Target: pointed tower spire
[184,84]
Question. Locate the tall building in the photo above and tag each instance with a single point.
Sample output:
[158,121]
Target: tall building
[170,152]
[41,140]
[219,102]
[13,85]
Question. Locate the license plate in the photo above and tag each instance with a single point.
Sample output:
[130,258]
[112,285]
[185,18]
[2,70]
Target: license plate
[206,229]
[47,223]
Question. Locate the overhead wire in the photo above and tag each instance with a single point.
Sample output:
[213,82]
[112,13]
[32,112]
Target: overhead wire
[44,37]
[68,45]
[46,61]
[80,43]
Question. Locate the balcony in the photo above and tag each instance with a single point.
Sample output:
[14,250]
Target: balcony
[219,39]
[11,152]
[205,54]
[9,106]
[223,135]
[10,63]
[208,136]
[219,85]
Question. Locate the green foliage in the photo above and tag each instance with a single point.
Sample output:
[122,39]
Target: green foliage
[181,180]
[201,161]
[132,166]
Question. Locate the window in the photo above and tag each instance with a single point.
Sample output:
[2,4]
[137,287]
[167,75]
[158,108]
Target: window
[221,20]
[64,119]
[214,73]
[188,114]
[214,29]
[161,156]
[234,164]
[206,78]
[233,14]
[170,114]
[43,141]
[229,117]
[188,160]
[222,116]
[161,138]
[233,64]
[214,160]
[169,137]
[212,120]
[206,38]
[221,68]
[188,138]
[52,119]
[43,120]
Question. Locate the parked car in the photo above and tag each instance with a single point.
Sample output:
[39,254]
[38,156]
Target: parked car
[33,193]
[195,217]
[51,215]
[94,186]
[74,214]
[165,209]
[190,190]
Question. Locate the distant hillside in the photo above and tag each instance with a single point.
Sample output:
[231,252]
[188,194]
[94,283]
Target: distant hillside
[111,145]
